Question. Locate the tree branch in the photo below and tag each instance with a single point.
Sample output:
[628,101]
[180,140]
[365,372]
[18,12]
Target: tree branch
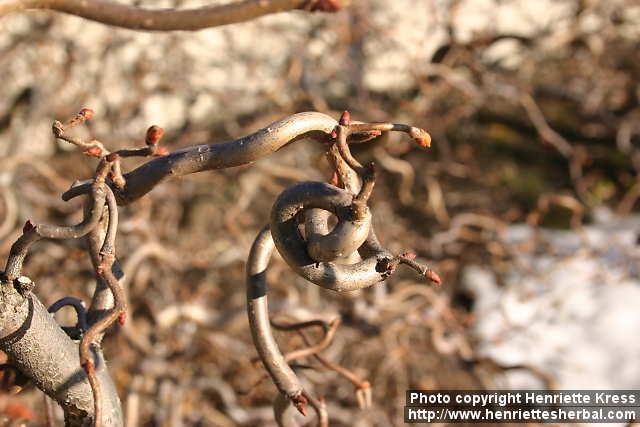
[136,18]
[39,348]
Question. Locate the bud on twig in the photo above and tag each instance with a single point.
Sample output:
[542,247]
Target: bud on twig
[154,134]
[345,118]
[433,276]
[86,113]
[93,152]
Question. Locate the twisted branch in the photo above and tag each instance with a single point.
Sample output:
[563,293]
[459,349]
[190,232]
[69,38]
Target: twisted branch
[346,258]
[319,256]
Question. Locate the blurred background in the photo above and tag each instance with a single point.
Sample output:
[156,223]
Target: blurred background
[525,204]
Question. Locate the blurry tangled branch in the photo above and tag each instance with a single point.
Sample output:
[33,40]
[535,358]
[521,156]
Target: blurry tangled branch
[346,257]
[136,18]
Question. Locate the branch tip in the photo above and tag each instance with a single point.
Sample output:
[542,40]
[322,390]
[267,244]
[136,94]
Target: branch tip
[89,367]
[86,113]
[154,134]
[433,277]
[345,118]
[409,255]
[421,137]
[300,402]
[28,226]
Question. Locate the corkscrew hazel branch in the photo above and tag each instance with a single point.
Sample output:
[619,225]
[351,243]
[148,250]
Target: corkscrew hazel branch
[105,272]
[32,233]
[257,308]
[78,307]
[349,204]
[242,151]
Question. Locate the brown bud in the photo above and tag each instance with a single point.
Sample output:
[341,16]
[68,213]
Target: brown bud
[154,134]
[300,402]
[86,113]
[345,118]
[421,137]
[89,367]
[28,226]
[93,152]
[409,255]
[424,142]
[433,276]
[326,6]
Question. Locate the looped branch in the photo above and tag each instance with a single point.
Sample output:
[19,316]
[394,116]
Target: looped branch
[323,257]
[345,258]
[78,306]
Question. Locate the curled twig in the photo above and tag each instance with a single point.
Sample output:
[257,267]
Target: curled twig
[78,306]
[32,233]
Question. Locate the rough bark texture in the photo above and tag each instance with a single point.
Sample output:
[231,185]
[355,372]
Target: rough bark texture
[39,348]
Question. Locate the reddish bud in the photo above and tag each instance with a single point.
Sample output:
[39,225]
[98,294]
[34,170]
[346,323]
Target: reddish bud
[334,134]
[122,318]
[28,226]
[300,402]
[421,137]
[93,152]
[409,255]
[424,142]
[86,113]
[154,134]
[89,367]
[433,276]
[326,6]
[345,118]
